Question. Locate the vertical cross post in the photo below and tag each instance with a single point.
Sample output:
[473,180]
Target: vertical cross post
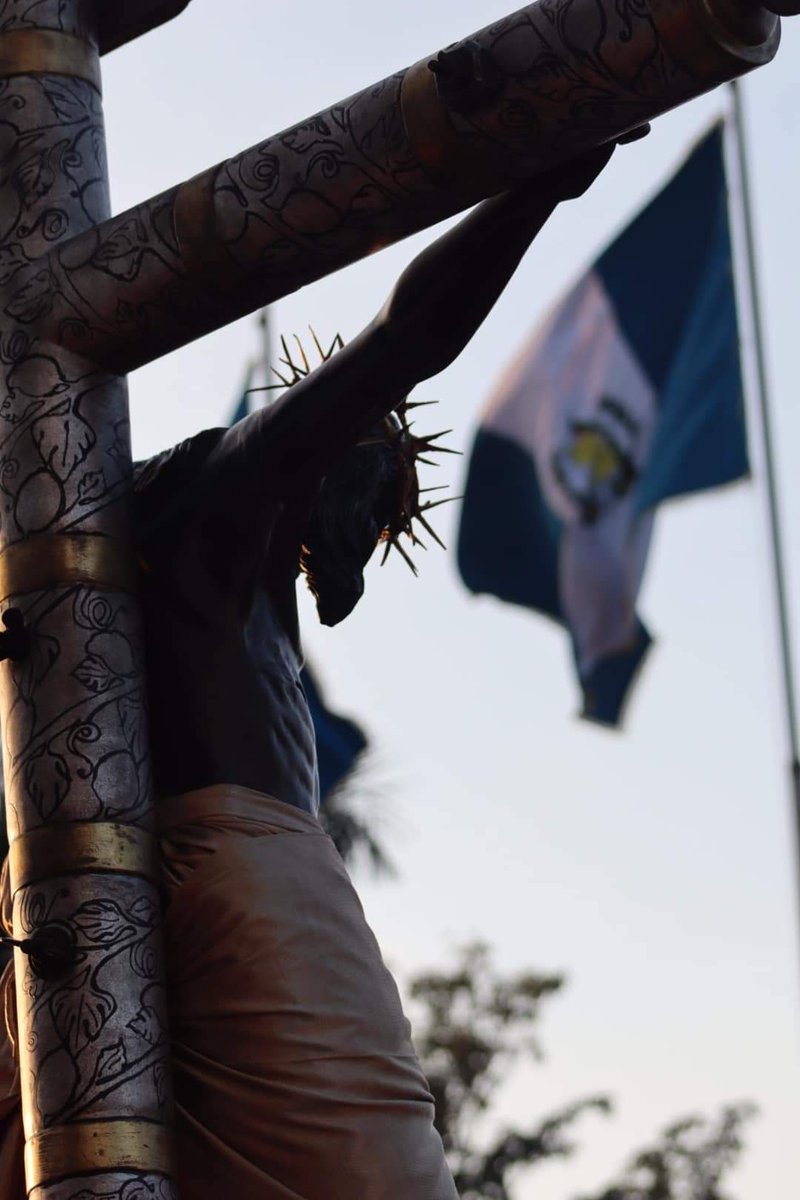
[92,1042]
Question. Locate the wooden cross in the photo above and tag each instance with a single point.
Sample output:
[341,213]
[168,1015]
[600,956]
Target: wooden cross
[87,297]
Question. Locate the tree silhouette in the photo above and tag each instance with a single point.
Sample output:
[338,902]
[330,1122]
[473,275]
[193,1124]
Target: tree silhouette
[351,827]
[472,1025]
[688,1161]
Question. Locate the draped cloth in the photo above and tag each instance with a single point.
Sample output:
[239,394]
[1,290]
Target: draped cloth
[295,1077]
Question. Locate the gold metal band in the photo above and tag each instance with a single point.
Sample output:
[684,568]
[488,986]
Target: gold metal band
[106,1146]
[48,52]
[435,142]
[63,559]
[62,849]
[203,253]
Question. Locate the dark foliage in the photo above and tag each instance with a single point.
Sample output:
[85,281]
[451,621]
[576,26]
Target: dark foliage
[473,1025]
[687,1162]
[349,820]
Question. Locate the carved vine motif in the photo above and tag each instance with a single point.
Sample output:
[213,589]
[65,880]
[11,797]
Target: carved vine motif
[347,172]
[117,1187]
[347,180]
[576,71]
[60,461]
[46,14]
[77,744]
[94,1038]
[331,189]
[93,1043]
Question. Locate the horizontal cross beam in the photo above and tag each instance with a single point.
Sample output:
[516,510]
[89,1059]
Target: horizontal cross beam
[536,88]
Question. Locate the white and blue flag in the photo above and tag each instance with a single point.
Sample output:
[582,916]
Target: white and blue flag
[630,393]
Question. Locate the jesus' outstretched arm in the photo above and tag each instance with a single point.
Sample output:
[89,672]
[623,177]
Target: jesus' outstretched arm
[437,305]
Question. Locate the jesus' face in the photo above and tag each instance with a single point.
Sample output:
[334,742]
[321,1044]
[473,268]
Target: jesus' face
[354,506]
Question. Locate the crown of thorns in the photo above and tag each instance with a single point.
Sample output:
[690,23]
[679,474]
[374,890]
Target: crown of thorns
[408,448]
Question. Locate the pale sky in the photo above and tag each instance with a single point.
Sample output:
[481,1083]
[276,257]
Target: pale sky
[656,866]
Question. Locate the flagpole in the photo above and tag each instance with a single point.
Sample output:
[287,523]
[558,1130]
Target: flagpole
[266,344]
[767,441]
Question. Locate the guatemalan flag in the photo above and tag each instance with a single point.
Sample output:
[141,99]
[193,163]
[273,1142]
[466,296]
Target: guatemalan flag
[631,392]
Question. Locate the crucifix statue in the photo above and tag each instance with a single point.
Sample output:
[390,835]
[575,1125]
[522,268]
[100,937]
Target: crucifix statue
[281,1005]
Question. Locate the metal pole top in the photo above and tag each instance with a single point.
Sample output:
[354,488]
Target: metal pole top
[120,21]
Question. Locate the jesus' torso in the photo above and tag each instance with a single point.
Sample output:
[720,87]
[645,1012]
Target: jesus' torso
[223,652]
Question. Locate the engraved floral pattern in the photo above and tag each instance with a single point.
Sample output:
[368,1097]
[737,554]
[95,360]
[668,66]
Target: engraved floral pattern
[100,1030]
[127,1186]
[93,1042]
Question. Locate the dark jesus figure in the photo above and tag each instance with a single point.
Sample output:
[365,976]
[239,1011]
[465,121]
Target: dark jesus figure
[295,1076]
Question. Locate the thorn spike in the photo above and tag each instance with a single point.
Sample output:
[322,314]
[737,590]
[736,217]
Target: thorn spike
[438,503]
[405,558]
[429,529]
[302,353]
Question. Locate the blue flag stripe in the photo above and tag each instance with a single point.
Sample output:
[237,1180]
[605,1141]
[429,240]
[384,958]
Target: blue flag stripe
[242,409]
[508,537]
[653,269]
[700,438]
[340,741]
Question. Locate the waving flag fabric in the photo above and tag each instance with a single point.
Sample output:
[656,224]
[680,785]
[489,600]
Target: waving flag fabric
[242,408]
[340,740]
[630,393]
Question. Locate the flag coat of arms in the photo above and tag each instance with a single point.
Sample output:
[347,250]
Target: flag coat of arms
[629,393]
